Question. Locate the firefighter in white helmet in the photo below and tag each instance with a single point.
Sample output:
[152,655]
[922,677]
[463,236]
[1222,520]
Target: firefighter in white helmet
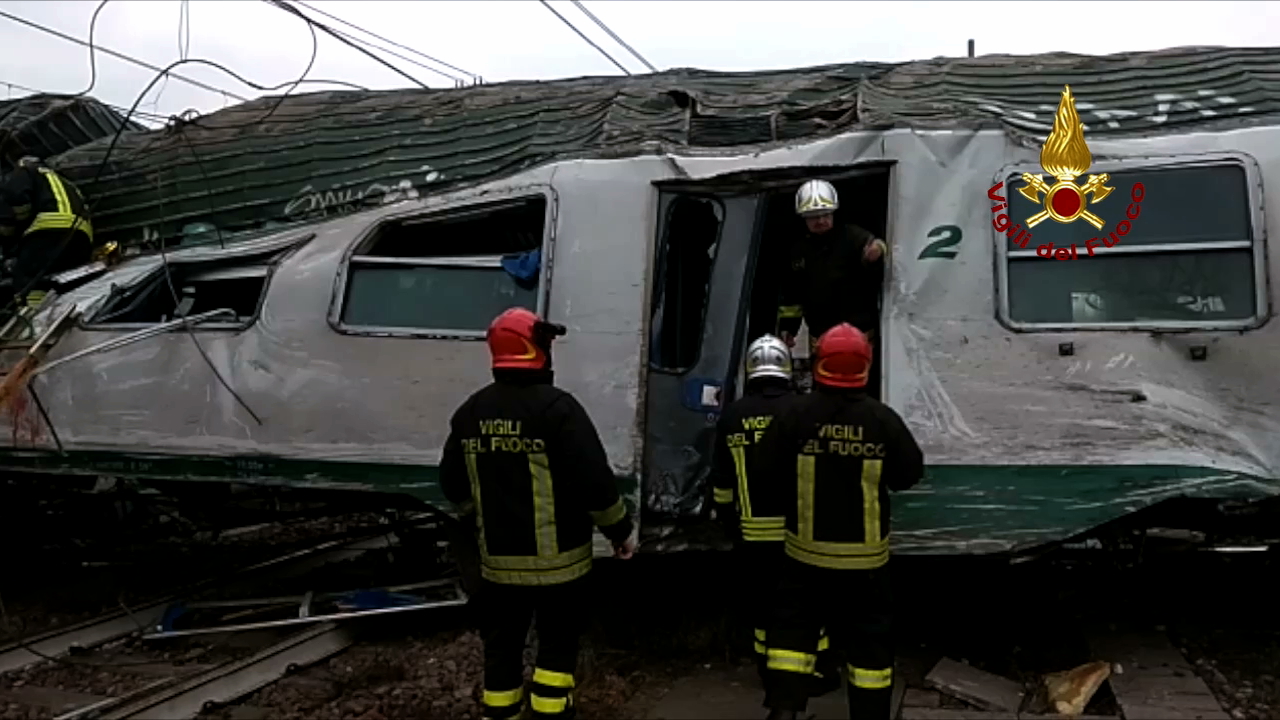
[836,272]
[747,500]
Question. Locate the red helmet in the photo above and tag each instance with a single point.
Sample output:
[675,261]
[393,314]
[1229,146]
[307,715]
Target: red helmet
[518,339]
[844,357]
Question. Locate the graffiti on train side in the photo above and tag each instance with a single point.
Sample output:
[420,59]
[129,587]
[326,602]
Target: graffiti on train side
[1143,110]
[311,203]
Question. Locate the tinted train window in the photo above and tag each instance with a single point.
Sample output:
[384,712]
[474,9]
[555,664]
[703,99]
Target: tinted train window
[451,272]
[1187,256]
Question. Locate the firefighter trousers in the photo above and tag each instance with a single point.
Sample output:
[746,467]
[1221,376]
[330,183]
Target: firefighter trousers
[558,614]
[856,608]
[760,565]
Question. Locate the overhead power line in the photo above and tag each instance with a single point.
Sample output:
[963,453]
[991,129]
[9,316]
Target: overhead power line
[584,37]
[118,55]
[614,35]
[474,77]
[344,40]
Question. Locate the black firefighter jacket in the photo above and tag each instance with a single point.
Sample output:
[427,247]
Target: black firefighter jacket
[526,457]
[741,488]
[828,283]
[838,453]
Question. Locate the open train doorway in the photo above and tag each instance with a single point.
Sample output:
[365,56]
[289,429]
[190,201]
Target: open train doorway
[864,201]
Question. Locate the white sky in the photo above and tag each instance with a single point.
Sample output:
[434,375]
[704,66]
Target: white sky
[522,39]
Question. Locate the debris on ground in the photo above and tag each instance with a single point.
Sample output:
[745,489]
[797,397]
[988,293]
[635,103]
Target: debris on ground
[985,690]
[1070,691]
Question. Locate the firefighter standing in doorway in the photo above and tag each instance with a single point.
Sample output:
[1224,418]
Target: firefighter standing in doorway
[748,501]
[44,226]
[838,452]
[836,272]
[526,460]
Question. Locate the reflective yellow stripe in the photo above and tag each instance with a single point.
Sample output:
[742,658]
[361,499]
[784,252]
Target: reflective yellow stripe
[64,217]
[804,497]
[740,467]
[503,698]
[609,515]
[760,648]
[791,661]
[59,192]
[536,569]
[871,499]
[824,643]
[838,556]
[870,679]
[723,496]
[787,312]
[548,706]
[764,529]
[552,678]
[760,635]
[474,476]
[544,505]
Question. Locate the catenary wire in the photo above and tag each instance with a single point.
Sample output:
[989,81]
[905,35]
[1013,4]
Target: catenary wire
[474,77]
[613,35]
[315,23]
[115,54]
[590,42]
[457,81]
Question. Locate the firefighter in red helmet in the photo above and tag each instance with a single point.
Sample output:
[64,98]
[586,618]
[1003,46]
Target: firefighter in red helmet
[524,459]
[838,453]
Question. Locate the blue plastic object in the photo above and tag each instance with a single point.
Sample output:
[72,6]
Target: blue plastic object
[524,268]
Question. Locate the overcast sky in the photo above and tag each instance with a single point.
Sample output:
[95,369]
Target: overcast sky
[522,39]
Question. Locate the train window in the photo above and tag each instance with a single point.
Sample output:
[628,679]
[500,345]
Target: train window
[449,273]
[686,257]
[187,289]
[1192,255]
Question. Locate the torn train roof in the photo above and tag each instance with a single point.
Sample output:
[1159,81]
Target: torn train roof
[48,125]
[316,154]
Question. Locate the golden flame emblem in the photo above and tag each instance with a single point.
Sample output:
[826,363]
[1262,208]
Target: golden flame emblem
[1065,156]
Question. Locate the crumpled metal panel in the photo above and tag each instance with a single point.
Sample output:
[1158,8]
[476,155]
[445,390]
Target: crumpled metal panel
[48,125]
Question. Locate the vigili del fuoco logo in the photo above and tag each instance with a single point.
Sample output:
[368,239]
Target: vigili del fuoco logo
[1065,157]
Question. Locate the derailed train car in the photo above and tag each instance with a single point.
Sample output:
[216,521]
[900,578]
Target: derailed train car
[1050,395]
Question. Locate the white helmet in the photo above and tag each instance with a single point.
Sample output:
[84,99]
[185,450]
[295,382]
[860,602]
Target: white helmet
[816,197]
[768,357]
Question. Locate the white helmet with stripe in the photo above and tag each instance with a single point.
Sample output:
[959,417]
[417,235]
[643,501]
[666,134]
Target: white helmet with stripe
[768,356]
[816,197]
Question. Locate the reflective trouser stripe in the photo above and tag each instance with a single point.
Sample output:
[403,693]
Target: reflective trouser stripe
[548,706]
[824,642]
[870,679]
[503,698]
[551,678]
[723,496]
[550,695]
[791,661]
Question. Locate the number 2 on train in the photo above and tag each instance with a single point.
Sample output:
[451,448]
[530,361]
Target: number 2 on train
[944,237]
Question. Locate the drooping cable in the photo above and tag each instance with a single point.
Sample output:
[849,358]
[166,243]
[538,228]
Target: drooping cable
[93,60]
[474,77]
[118,55]
[590,42]
[344,40]
[613,35]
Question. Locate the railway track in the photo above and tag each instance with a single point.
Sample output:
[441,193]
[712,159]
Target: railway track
[213,642]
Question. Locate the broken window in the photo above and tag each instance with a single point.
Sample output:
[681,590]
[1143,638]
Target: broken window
[686,257]
[190,288]
[452,272]
[1190,256]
